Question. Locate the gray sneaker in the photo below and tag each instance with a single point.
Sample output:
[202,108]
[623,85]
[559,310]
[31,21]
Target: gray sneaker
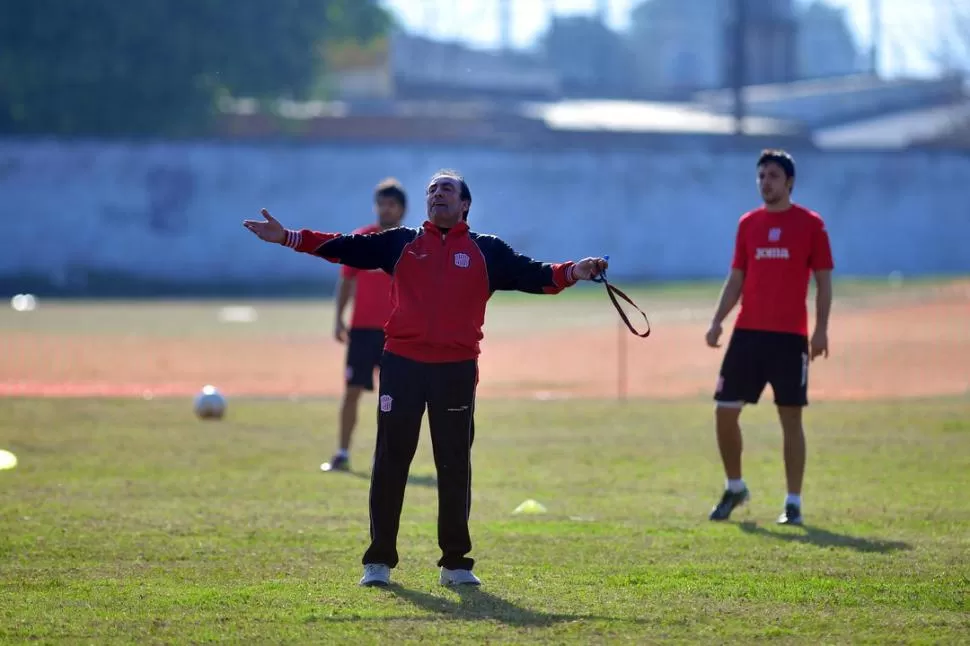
[458,577]
[376,574]
[791,516]
[337,463]
[729,502]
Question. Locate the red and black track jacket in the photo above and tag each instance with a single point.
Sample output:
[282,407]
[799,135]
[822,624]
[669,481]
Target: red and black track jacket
[441,282]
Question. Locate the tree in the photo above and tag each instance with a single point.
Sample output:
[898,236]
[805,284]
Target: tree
[826,47]
[158,67]
[678,46]
[589,56]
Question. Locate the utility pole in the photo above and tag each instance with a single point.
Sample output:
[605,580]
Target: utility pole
[505,24]
[739,68]
[875,29]
[603,83]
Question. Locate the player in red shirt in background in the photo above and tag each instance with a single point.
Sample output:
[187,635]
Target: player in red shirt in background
[777,248]
[371,291]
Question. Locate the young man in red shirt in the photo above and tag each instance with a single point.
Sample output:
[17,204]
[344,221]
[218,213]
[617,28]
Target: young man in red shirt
[776,249]
[444,275]
[371,291]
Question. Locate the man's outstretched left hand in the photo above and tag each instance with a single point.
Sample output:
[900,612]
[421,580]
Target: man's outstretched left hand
[589,268]
[270,230]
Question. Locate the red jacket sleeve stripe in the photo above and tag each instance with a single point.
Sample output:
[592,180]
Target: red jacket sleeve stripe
[307,241]
[562,277]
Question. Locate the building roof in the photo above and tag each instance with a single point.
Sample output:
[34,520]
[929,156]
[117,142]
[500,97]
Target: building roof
[772,92]
[895,131]
[649,117]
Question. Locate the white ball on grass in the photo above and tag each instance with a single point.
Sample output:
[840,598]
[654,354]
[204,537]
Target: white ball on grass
[210,404]
[23,303]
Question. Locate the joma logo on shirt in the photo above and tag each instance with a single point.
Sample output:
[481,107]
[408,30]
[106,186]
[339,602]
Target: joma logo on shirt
[771,253]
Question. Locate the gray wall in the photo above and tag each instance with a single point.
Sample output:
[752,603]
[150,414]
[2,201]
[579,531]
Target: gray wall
[172,211]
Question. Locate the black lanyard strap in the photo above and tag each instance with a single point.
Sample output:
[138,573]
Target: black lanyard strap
[613,292]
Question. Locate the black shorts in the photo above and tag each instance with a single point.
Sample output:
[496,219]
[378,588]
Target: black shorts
[755,358]
[364,349]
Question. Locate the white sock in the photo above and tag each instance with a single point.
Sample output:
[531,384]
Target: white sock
[342,453]
[793,499]
[735,486]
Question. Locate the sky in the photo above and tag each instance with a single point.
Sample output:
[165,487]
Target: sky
[911,29]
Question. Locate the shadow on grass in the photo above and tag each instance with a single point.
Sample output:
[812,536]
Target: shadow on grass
[476,603]
[418,481]
[824,538]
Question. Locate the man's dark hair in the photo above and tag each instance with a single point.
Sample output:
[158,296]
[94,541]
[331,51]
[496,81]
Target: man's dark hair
[780,157]
[392,188]
[465,194]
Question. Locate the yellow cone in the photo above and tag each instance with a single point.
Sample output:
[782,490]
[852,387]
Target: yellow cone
[530,506]
[7,460]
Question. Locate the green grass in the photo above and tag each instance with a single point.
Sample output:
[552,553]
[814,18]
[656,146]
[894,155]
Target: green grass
[131,522]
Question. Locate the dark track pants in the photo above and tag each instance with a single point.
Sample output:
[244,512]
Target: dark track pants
[448,391]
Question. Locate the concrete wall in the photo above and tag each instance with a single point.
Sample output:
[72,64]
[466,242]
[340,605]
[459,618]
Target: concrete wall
[173,211]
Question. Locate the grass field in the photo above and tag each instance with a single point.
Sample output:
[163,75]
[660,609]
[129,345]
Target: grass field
[129,521]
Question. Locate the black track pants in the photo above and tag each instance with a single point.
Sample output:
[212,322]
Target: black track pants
[448,391]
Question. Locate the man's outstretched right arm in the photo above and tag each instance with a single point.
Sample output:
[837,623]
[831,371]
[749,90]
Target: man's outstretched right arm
[379,250]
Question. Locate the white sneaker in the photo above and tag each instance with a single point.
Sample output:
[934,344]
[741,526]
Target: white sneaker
[458,577]
[376,574]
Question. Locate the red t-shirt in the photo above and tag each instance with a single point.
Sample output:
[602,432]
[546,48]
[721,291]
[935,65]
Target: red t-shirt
[372,294]
[777,252]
